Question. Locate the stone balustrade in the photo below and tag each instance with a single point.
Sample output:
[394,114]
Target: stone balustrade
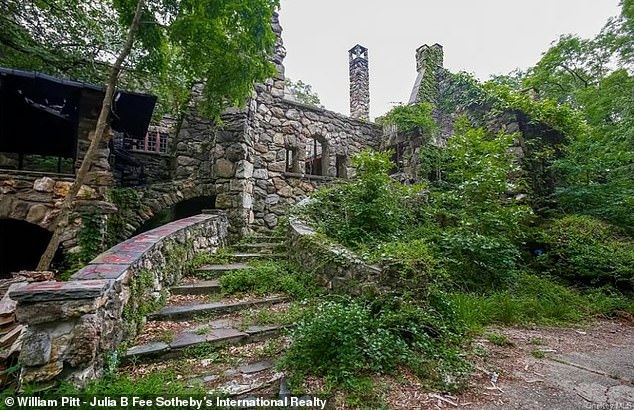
[74,328]
[335,267]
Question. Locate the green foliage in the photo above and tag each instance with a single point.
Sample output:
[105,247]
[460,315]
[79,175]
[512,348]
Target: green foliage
[534,299]
[368,209]
[90,242]
[586,251]
[270,277]
[373,338]
[302,92]
[498,340]
[225,45]
[413,118]
[142,300]
[161,382]
[126,200]
[409,265]
[472,218]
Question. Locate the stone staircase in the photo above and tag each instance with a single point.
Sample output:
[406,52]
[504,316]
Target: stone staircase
[198,316]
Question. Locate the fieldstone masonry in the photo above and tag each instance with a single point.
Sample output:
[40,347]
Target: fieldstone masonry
[74,325]
[359,83]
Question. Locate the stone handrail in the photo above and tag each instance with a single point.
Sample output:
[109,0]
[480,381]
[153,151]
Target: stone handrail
[74,328]
[335,267]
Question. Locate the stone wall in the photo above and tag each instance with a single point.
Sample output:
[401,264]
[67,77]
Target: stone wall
[35,198]
[335,267]
[73,326]
[283,128]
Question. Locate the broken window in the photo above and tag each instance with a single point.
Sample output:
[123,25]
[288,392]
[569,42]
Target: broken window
[314,157]
[341,169]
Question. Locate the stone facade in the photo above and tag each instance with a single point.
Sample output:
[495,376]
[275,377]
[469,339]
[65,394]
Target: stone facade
[74,325]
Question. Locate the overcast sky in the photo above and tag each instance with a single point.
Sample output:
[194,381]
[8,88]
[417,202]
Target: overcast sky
[483,37]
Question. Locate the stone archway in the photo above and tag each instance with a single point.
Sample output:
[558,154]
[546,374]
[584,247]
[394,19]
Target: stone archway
[21,245]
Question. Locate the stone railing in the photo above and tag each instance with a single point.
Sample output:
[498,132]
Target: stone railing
[335,267]
[74,328]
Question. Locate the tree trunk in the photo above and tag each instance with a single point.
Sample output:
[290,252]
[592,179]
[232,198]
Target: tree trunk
[62,219]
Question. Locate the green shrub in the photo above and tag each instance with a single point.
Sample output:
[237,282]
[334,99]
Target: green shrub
[409,266]
[344,340]
[269,277]
[586,251]
[369,209]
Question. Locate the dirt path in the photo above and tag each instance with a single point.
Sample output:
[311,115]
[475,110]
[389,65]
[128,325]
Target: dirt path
[554,368]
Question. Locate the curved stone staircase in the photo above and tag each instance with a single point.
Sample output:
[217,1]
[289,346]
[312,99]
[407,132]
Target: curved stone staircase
[198,316]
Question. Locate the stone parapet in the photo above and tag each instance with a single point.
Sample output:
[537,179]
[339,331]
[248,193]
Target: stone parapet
[74,328]
[335,267]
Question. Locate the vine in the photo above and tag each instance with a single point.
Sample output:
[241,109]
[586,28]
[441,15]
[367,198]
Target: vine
[126,200]
[90,241]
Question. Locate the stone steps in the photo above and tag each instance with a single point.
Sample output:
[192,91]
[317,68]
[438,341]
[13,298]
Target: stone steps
[245,257]
[219,270]
[182,312]
[259,245]
[217,333]
[205,287]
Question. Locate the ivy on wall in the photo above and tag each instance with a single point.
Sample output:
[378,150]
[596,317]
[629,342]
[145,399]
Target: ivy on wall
[126,200]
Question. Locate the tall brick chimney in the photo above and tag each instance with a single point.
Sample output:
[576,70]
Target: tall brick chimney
[359,83]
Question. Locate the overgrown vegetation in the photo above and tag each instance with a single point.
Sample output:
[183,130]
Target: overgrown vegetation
[270,277]
[540,240]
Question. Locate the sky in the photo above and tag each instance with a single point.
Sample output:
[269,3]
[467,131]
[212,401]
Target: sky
[482,37]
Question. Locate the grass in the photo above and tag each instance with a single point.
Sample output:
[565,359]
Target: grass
[534,300]
[537,341]
[538,354]
[499,340]
[267,277]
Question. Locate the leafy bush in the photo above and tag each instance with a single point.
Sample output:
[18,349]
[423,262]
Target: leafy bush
[270,277]
[344,340]
[411,266]
[370,209]
[587,251]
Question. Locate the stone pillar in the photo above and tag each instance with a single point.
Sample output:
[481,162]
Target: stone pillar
[429,64]
[359,83]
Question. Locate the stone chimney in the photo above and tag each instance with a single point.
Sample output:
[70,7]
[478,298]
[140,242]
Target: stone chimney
[429,64]
[359,83]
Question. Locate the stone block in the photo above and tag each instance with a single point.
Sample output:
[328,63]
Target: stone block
[279,166]
[244,169]
[44,184]
[60,291]
[36,348]
[62,188]
[53,311]
[36,213]
[260,173]
[272,199]
[224,168]
[224,201]
[41,373]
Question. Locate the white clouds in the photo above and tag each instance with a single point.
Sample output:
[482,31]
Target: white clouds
[483,37]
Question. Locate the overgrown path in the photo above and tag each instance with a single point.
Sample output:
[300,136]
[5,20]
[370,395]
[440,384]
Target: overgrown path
[221,343]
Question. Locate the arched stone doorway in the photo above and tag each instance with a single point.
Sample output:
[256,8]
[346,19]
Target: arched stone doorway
[21,245]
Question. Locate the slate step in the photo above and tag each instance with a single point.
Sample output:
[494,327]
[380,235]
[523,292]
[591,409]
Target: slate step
[219,270]
[259,245]
[205,287]
[192,337]
[243,256]
[189,311]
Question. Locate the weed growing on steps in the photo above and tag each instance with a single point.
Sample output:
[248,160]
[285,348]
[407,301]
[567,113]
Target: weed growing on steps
[267,277]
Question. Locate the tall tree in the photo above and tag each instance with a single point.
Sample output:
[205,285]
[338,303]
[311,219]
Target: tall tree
[596,76]
[224,44]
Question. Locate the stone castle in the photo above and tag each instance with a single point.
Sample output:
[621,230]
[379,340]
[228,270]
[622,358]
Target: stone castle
[264,157]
